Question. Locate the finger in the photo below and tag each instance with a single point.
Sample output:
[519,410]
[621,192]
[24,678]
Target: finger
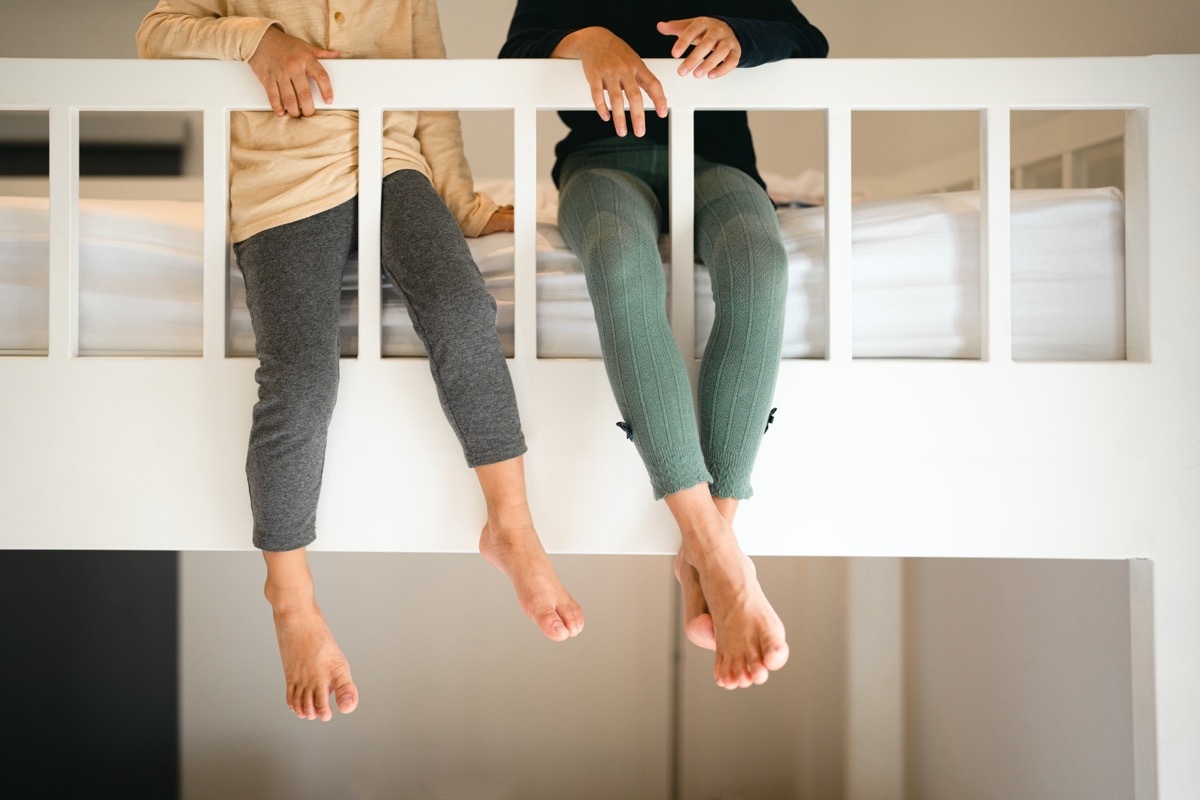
[713,60]
[653,87]
[618,109]
[287,96]
[691,35]
[698,54]
[728,64]
[318,74]
[273,97]
[599,102]
[304,98]
[327,53]
[637,110]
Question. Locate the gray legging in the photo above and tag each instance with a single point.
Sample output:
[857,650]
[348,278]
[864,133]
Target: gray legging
[293,288]
[611,211]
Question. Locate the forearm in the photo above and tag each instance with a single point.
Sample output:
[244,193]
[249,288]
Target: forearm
[165,33]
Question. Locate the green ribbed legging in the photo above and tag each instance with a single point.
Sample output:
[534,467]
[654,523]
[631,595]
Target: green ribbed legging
[611,211]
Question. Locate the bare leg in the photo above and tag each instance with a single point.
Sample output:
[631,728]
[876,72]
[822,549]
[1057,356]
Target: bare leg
[748,635]
[313,664]
[510,543]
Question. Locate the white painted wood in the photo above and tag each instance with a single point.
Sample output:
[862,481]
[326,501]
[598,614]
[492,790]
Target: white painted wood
[64,233]
[683,202]
[838,251]
[995,229]
[370,194]
[883,458]
[525,234]
[216,234]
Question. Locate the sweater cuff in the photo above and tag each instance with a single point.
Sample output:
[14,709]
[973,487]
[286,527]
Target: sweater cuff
[256,29]
[475,218]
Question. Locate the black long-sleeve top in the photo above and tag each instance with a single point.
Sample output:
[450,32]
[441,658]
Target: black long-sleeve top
[767,30]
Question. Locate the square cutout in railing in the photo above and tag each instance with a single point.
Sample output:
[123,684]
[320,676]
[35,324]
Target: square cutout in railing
[417,242]
[1068,235]
[915,235]
[141,234]
[24,233]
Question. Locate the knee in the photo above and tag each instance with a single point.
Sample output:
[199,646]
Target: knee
[304,385]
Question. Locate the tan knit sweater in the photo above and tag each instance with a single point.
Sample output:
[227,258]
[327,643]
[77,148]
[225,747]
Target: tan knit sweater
[286,169]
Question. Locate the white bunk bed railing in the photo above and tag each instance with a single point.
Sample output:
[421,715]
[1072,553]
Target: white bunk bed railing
[832,387]
[1141,86]
[554,393]
[977,458]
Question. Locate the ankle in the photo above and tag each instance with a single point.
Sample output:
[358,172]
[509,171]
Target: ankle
[509,517]
[286,600]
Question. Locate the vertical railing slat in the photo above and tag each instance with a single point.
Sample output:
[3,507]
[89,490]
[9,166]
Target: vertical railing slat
[683,260]
[216,235]
[839,332]
[524,237]
[1137,239]
[64,233]
[995,221]
[370,199]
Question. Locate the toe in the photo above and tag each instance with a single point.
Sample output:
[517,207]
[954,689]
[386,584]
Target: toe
[347,697]
[700,631]
[775,654]
[308,704]
[552,625]
[572,615]
[323,711]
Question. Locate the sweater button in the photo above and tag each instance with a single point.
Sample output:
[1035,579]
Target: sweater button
[339,18]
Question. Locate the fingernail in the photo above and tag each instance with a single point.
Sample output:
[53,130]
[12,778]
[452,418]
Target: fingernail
[699,73]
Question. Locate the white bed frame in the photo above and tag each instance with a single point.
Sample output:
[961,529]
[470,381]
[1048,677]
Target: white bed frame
[986,458]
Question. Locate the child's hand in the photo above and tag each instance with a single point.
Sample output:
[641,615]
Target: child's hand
[500,221]
[715,47]
[611,66]
[283,64]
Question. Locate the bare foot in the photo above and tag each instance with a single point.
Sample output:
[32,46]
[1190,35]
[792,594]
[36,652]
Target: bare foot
[697,622]
[749,636]
[313,664]
[518,553]
[511,545]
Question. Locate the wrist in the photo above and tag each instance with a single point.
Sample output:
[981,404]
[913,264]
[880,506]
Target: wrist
[575,43]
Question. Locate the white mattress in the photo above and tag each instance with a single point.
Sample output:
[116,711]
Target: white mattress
[915,264]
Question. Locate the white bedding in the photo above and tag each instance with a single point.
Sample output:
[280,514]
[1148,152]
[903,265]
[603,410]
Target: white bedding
[915,264]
